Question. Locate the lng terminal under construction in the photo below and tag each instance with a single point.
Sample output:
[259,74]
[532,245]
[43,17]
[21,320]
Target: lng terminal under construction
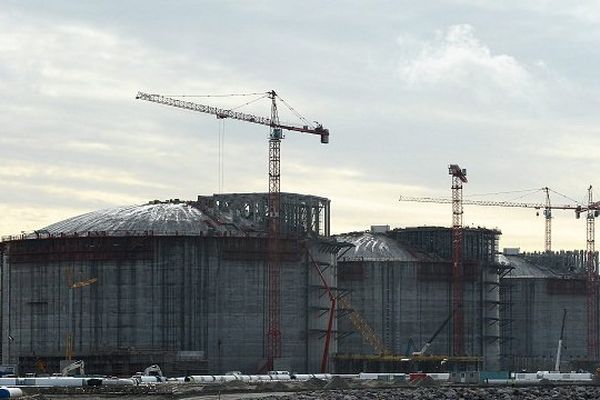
[254,287]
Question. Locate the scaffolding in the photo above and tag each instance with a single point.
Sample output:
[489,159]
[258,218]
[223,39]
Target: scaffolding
[479,266]
[479,244]
[405,275]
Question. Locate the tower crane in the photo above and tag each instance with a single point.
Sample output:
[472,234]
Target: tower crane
[459,176]
[276,129]
[547,208]
[592,210]
[592,277]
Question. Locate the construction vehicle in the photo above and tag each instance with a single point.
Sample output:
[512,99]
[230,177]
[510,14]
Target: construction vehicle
[78,365]
[274,341]
[153,370]
[151,374]
[560,342]
[427,345]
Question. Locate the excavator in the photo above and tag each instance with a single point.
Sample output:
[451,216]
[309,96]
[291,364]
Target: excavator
[427,345]
[153,370]
[74,366]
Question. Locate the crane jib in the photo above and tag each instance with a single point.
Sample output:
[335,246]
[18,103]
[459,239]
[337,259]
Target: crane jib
[218,112]
[223,113]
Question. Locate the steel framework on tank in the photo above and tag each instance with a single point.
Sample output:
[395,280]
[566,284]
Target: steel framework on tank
[299,215]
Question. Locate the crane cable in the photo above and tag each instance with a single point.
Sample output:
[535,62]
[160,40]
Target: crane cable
[506,192]
[249,102]
[526,193]
[262,94]
[300,116]
[523,193]
[566,197]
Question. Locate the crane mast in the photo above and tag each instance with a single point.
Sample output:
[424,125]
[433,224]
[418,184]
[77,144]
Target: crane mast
[548,222]
[592,279]
[459,176]
[273,262]
[273,284]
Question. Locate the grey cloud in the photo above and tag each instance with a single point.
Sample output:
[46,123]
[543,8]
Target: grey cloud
[70,71]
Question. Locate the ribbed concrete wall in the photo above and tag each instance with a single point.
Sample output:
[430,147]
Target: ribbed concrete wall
[491,317]
[535,318]
[401,284]
[403,307]
[187,298]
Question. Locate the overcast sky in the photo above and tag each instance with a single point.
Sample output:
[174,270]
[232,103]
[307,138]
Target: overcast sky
[508,90]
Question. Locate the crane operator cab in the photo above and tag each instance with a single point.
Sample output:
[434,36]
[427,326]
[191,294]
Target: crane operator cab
[276,134]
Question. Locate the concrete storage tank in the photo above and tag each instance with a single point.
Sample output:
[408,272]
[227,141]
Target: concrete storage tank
[400,282]
[536,290]
[181,284]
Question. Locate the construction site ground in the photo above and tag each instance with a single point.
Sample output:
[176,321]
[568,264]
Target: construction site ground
[336,389]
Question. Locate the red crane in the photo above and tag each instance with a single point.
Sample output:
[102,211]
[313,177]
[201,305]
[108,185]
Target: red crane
[276,128]
[592,209]
[459,176]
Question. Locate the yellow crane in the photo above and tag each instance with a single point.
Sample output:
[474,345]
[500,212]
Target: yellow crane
[69,347]
[363,327]
[358,322]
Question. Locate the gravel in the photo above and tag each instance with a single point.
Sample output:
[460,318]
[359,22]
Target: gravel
[452,393]
[336,389]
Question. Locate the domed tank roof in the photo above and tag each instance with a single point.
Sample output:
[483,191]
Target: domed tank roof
[370,246]
[234,214]
[159,218]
